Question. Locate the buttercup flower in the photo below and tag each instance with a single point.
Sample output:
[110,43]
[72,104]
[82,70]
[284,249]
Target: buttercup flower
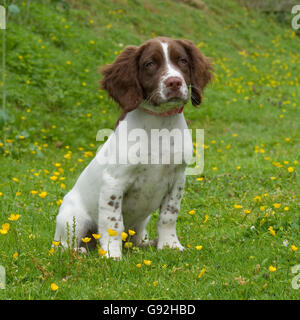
[131,232]
[14,217]
[206,218]
[272,269]
[147,262]
[56,243]
[96,236]
[86,239]
[124,236]
[272,231]
[128,245]
[294,248]
[43,194]
[112,232]
[102,252]
[238,206]
[54,286]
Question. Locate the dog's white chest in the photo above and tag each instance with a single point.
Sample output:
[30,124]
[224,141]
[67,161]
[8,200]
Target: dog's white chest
[147,191]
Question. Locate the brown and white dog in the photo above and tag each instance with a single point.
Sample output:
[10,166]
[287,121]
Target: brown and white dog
[151,83]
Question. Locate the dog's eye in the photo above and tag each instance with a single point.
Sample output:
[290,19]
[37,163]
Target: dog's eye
[182,61]
[149,64]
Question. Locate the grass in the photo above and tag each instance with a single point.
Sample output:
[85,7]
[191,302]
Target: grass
[251,119]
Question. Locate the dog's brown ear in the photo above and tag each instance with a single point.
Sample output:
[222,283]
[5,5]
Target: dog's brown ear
[121,79]
[201,70]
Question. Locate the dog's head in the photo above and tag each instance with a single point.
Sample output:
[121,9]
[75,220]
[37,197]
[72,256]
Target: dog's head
[159,71]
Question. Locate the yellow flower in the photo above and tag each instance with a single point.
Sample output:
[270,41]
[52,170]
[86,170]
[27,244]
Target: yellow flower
[15,179]
[53,178]
[138,265]
[286,208]
[43,194]
[3,231]
[294,248]
[238,206]
[192,212]
[131,232]
[33,192]
[68,62]
[96,236]
[272,231]
[86,239]
[155,283]
[56,243]
[206,218]
[127,245]
[16,255]
[200,179]
[276,205]
[147,262]
[201,273]
[6,226]
[102,252]
[199,247]
[272,269]
[124,236]
[14,217]
[63,186]
[262,208]
[112,232]
[1,194]
[53,286]
[257,199]
[291,169]
[247,211]
[51,251]
[92,42]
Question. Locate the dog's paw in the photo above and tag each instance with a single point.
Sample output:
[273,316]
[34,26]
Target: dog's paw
[170,244]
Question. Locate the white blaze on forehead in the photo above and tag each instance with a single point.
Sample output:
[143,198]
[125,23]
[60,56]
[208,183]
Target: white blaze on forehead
[171,71]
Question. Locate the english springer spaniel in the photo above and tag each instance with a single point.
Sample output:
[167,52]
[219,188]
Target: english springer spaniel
[151,83]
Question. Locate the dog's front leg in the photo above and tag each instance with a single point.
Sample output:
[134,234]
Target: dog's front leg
[166,225]
[110,219]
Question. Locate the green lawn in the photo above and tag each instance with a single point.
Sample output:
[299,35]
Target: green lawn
[246,203]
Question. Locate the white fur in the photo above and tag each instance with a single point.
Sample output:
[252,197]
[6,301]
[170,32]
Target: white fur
[122,197]
[171,72]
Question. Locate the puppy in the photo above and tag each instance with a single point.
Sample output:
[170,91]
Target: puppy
[151,83]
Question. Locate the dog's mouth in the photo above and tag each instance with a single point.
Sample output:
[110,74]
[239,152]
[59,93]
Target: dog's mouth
[175,99]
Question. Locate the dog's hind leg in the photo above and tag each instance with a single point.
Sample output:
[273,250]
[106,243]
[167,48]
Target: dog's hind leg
[72,223]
